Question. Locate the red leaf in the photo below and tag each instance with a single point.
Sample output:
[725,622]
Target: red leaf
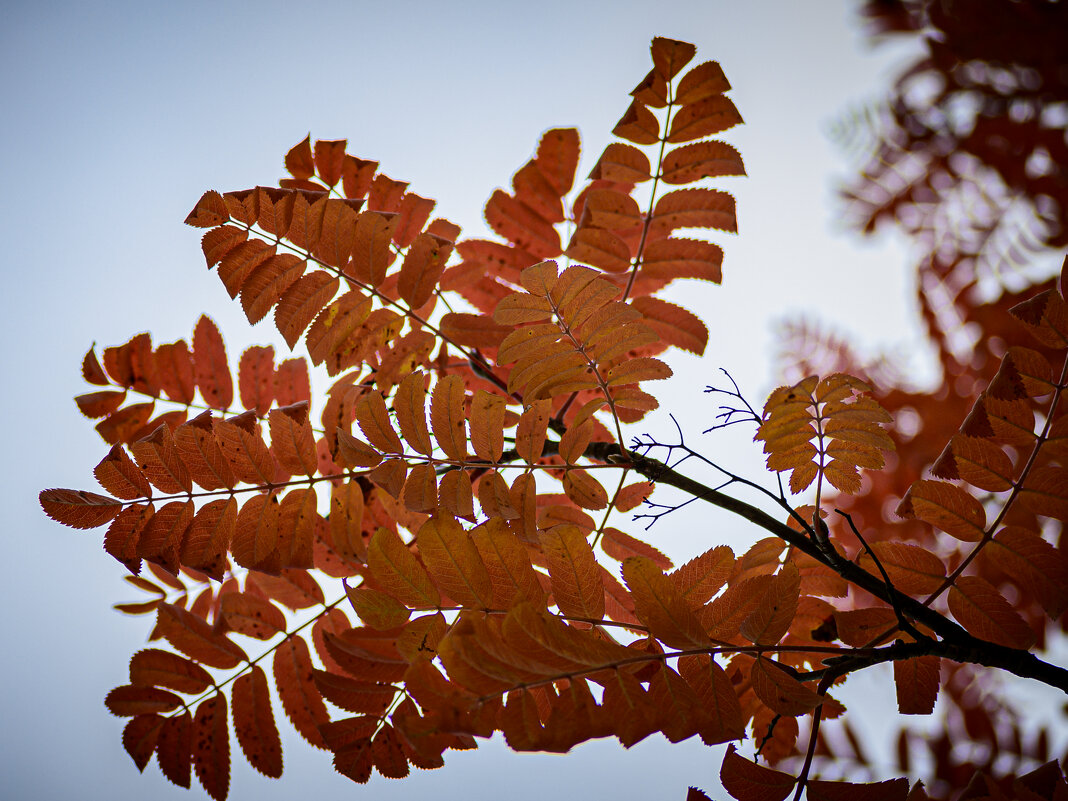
[174,749]
[155,668]
[254,723]
[211,747]
[128,700]
[294,676]
[139,738]
[192,636]
[917,681]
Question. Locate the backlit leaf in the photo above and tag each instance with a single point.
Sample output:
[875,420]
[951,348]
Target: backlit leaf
[210,365]
[155,668]
[454,562]
[211,746]
[946,506]
[294,677]
[576,581]
[254,723]
[79,509]
[398,571]
[984,612]
[747,781]
[917,681]
[659,606]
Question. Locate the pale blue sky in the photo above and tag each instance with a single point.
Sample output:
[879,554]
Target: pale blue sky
[117,116]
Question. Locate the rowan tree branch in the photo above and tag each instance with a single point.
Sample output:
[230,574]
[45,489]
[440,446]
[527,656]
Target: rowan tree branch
[956,643]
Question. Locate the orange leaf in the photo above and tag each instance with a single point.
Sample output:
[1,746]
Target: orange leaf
[701,82]
[388,756]
[158,460]
[718,699]
[268,282]
[638,125]
[670,56]
[412,216]
[507,563]
[531,431]
[373,418]
[522,226]
[209,212]
[695,208]
[747,781]
[120,476]
[100,404]
[409,404]
[487,425]
[422,268]
[687,164]
[780,691]
[473,330]
[622,163]
[945,506]
[576,580]
[600,248]
[709,116]
[301,302]
[1034,563]
[912,569]
[700,578]
[200,451]
[255,542]
[621,546]
[454,563]
[241,442]
[421,489]
[362,697]
[377,609]
[643,368]
[557,158]
[767,624]
[584,489]
[858,627]
[254,723]
[255,378]
[673,324]
[299,160]
[79,509]
[982,610]
[447,416]
[291,439]
[659,606]
[208,537]
[398,572]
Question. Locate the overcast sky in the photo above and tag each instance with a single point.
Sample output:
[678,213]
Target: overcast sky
[117,116]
